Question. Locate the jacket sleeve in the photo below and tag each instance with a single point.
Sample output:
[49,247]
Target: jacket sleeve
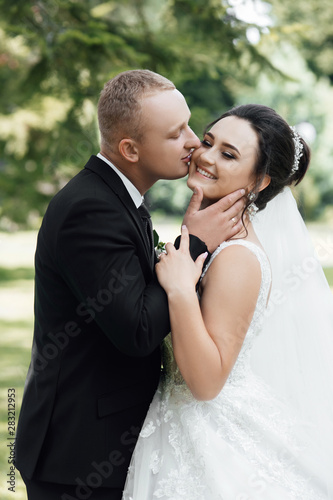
[101,256]
[197,247]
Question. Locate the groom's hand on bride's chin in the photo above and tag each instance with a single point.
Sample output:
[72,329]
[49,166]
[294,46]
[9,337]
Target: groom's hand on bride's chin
[218,222]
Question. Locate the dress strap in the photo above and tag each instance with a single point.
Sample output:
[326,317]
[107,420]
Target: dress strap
[258,252]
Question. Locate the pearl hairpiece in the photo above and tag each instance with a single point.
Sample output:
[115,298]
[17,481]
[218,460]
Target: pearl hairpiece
[298,150]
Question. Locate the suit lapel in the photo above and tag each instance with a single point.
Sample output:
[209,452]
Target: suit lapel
[114,182]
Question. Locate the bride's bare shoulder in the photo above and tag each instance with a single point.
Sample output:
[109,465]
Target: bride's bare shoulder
[235,266]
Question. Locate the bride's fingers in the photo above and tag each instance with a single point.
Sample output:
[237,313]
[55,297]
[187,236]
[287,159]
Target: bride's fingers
[185,239]
[200,260]
[169,247]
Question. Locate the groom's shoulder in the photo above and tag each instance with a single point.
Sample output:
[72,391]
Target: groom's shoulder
[85,192]
[85,184]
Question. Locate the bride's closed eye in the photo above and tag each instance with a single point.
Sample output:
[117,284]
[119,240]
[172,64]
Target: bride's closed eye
[228,155]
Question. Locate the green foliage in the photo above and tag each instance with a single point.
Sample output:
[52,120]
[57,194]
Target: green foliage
[309,25]
[56,55]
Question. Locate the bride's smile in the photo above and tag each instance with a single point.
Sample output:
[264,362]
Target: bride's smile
[205,173]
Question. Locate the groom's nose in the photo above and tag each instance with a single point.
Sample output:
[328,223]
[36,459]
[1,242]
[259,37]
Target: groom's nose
[192,141]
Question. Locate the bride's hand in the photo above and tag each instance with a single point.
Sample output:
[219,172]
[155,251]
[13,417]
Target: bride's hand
[176,270]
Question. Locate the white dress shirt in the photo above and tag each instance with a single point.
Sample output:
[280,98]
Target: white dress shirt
[134,193]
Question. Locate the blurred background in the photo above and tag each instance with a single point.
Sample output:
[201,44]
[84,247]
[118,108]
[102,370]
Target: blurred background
[56,55]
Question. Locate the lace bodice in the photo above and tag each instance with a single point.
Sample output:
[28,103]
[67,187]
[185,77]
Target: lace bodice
[240,369]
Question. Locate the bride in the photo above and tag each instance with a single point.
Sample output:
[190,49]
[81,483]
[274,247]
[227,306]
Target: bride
[238,415]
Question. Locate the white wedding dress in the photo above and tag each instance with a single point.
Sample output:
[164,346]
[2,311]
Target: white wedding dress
[245,444]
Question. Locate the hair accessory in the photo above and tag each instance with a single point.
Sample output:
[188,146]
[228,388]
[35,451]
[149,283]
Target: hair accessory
[298,150]
[252,209]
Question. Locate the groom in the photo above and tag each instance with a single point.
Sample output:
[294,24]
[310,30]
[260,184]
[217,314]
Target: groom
[100,314]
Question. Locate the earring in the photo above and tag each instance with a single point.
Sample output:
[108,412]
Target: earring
[252,209]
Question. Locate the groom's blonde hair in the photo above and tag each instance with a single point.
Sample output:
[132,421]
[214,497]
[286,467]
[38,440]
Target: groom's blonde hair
[119,106]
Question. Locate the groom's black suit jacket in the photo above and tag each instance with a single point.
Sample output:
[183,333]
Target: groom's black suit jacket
[100,317]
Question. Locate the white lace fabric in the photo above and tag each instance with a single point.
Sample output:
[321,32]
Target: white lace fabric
[242,445]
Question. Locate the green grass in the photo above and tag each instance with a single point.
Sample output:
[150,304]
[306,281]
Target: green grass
[19,273]
[329,275]
[15,346]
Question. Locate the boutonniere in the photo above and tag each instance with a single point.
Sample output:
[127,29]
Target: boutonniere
[158,245]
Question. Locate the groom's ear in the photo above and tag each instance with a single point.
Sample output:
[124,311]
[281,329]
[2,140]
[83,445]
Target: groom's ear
[128,149]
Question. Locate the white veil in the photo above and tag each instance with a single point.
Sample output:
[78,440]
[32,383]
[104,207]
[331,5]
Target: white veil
[294,353]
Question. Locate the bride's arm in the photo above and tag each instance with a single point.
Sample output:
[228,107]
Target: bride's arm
[207,341]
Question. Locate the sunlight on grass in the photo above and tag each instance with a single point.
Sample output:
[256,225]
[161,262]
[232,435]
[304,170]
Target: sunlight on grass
[16,300]
[16,326]
[329,275]
[15,348]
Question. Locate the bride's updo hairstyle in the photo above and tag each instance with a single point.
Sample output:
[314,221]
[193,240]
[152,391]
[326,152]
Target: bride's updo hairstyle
[276,151]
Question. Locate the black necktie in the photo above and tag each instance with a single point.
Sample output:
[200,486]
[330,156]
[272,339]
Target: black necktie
[146,219]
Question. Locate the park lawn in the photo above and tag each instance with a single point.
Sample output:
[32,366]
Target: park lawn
[15,345]
[329,275]
[16,326]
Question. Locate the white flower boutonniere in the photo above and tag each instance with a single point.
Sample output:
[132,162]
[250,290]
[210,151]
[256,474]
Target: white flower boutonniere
[159,245]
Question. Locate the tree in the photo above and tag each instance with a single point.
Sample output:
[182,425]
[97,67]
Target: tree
[300,40]
[309,27]
[55,56]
